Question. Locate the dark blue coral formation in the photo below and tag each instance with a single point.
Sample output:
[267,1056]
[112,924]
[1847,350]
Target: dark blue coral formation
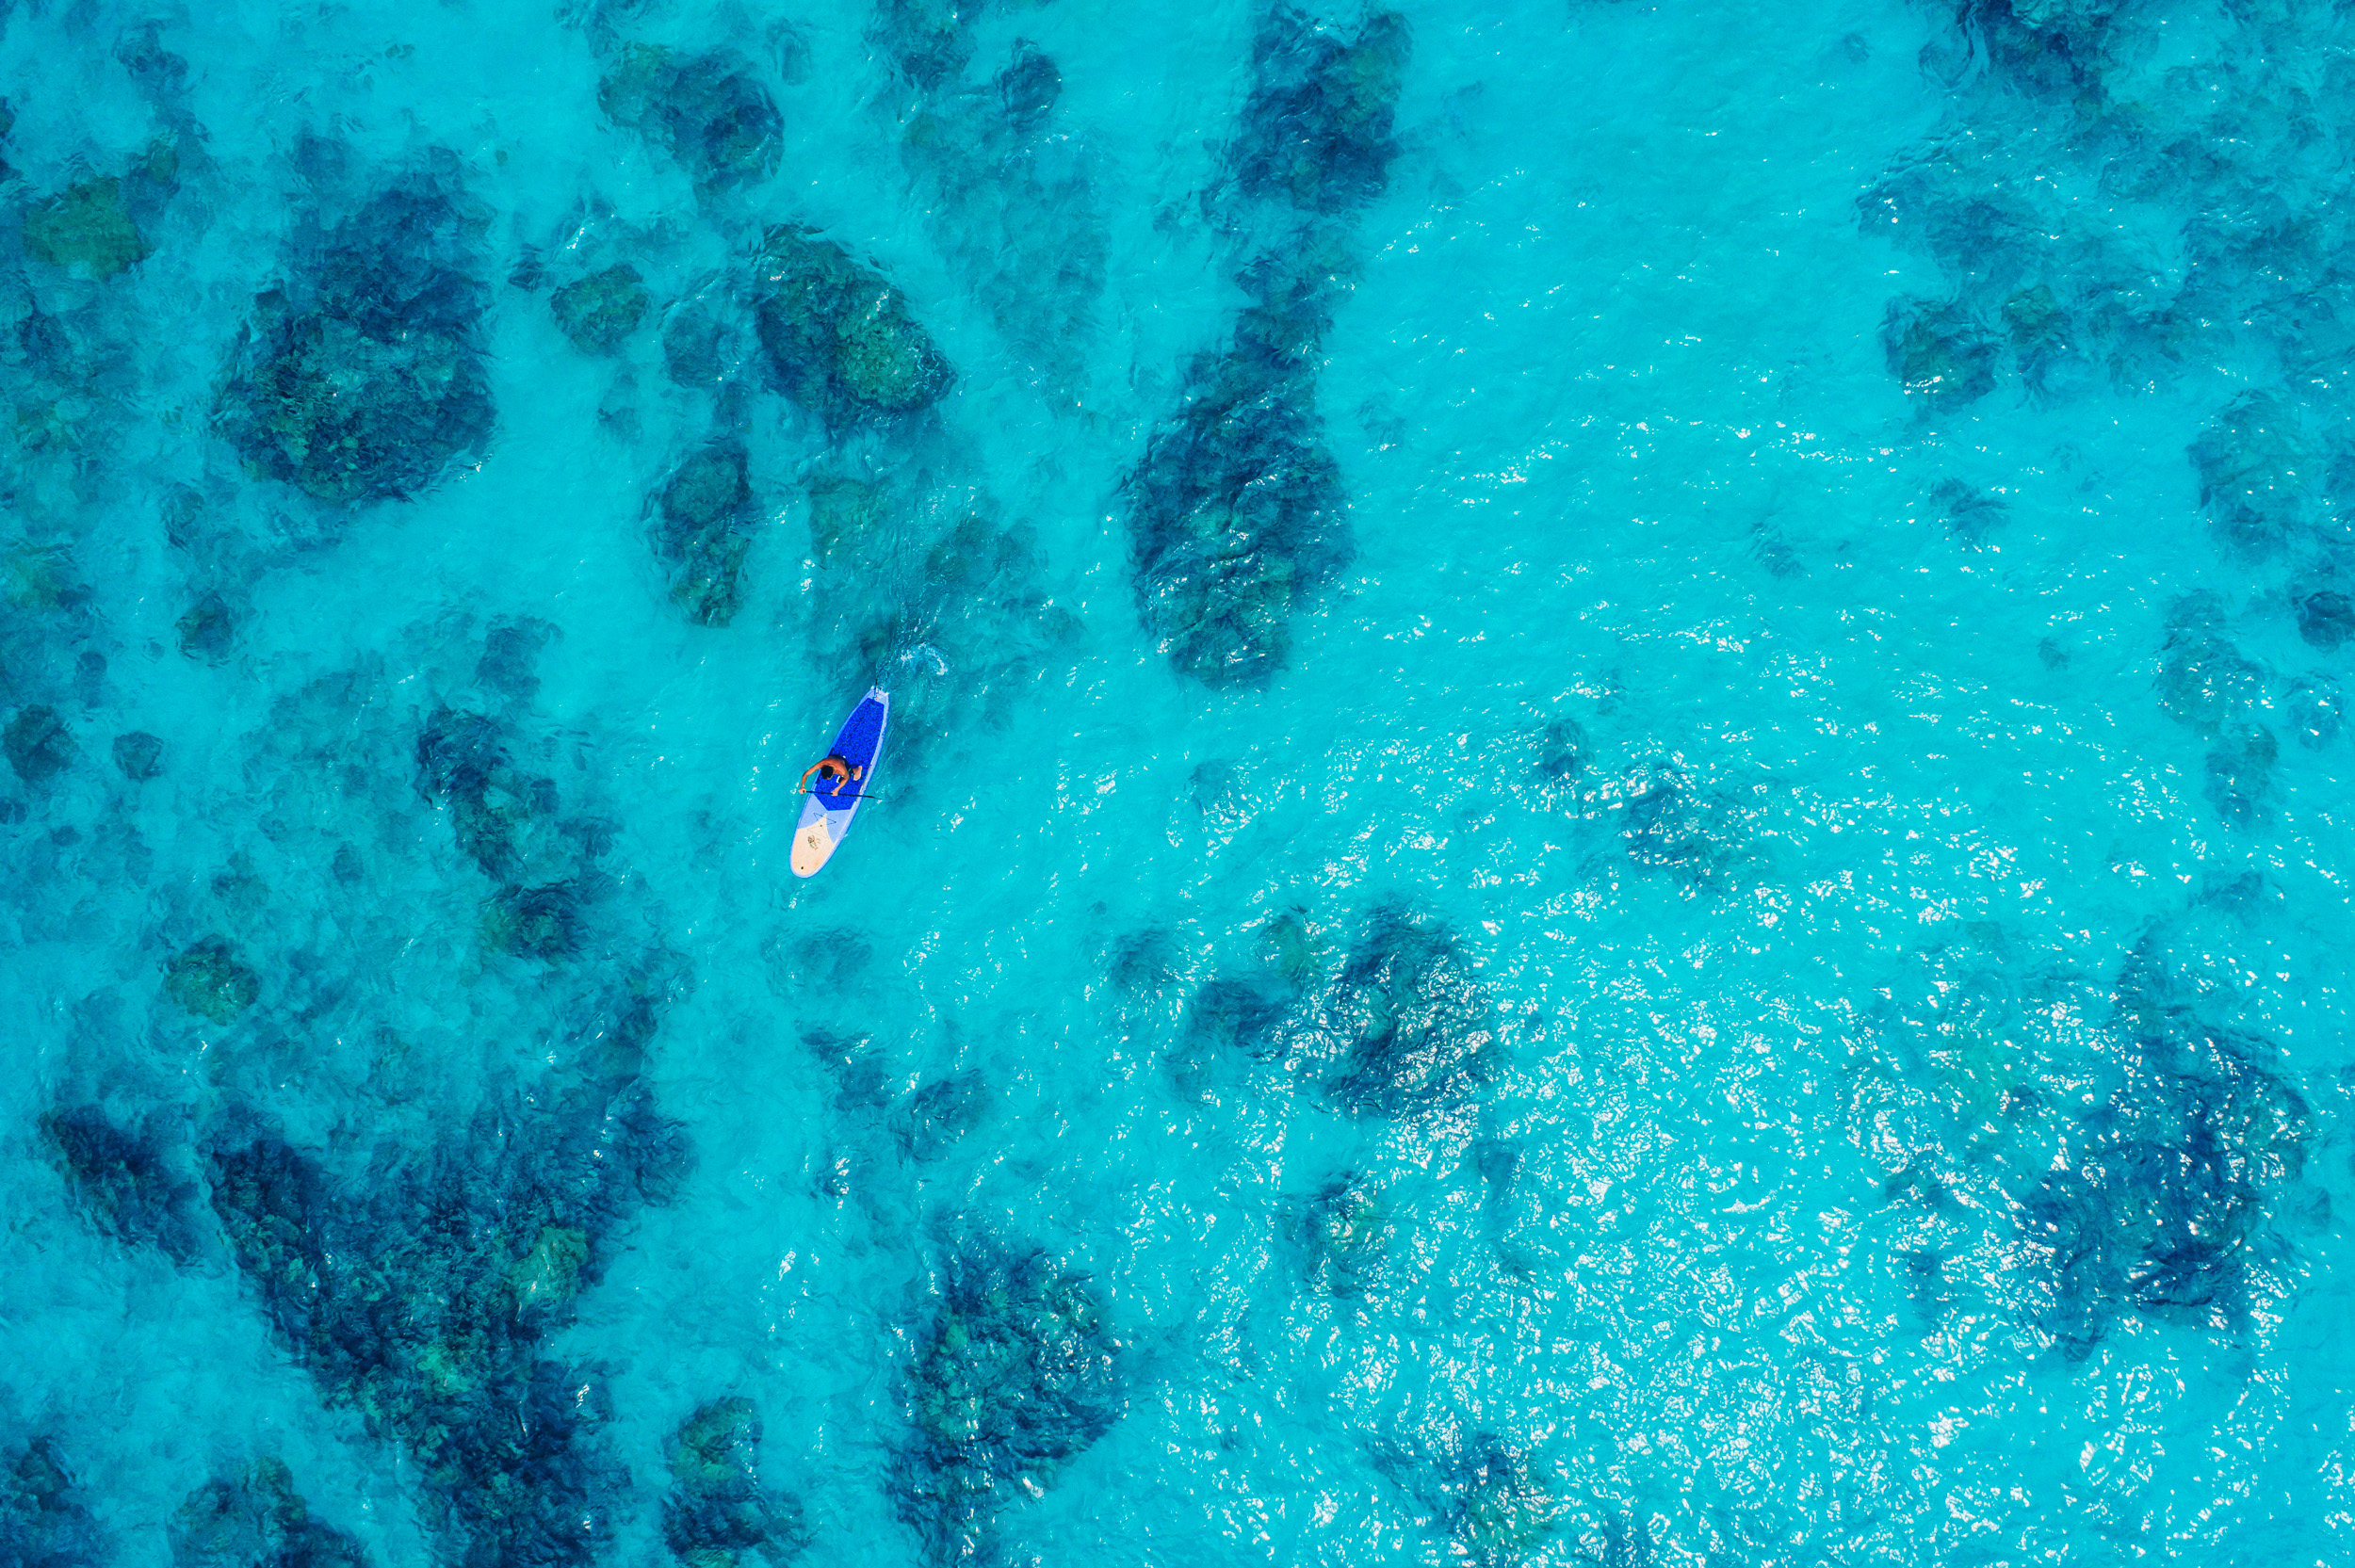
[717,1513]
[1406,1027]
[2217,271]
[1316,132]
[702,518]
[927,41]
[1015,1373]
[97,227]
[1495,1502]
[126,1179]
[255,1518]
[507,819]
[1236,511]
[362,379]
[2162,1209]
[599,311]
[419,1295]
[1401,1029]
[1340,1234]
[707,110]
[840,341]
[1235,515]
[419,1283]
[942,1114]
[959,632]
[1940,350]
[2217,156]
[206,978]
[1009,190]
[2258,472]
[2208,686]
[39,746]
[44,1522]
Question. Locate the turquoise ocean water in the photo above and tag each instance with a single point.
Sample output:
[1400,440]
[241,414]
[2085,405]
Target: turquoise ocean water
[1616,834]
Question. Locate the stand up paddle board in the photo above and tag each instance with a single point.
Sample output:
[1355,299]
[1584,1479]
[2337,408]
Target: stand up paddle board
[833,788]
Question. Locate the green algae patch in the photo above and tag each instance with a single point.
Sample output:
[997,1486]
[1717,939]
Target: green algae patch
[549,1275]
[208,981]
[602,310]
[86,230]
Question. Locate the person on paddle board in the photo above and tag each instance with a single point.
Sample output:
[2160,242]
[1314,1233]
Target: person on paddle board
[836,769]
[834,786]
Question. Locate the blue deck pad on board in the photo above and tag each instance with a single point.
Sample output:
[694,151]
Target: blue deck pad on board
[856,743]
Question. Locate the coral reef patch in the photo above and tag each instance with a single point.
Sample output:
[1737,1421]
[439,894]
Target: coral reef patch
[362,378]
[1014,1375]
[1235,513]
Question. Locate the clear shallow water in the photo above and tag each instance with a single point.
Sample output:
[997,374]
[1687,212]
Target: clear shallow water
[1747,976]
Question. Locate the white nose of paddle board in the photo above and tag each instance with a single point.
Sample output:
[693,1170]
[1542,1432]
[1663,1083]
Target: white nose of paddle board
[812,846]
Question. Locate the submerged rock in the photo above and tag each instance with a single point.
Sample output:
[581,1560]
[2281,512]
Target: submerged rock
[844,513]
[1236,515]
[2042,333]
[41,578]
[1256,1016]
[547,1277]
[2161,1210]
[1217,789]
[255,1519]
[1014,1376]
[43,1521]
[364,380]
[1010,197]
[2203,680]
[541,923]
[1940,350]
[1411,1028]
[928,41]
[510,655]
[1317,126]
[601,310]
[1142,962]
[123,1180]
[1498,1503]
[1672,823]
[704,517]
[1342,1231]
[702,343]
[839,339]
[2240,773]
[38,744]
[1564,754]
[1970,514]
[2317,710]
[718,1515]
[2326,618]
[138,756]
[1298,953]
[1230,1020]
[939,1115]
[207,980]
[503,816]
[1028,86]
[706,111]
[86,230]
[207,631]
[420,1298]
[2257,471]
